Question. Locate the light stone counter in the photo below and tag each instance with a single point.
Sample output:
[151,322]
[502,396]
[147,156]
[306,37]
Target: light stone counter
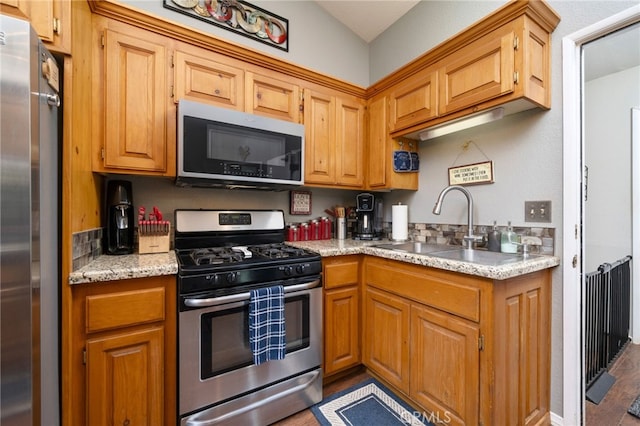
[128,266]
[328,248]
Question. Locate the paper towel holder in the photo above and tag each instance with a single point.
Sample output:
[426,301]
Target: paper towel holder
[399,224]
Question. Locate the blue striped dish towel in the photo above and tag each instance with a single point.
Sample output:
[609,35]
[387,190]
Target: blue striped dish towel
[266,324]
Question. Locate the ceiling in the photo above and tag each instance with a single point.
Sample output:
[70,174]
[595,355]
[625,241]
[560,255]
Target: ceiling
[366,18]
[616,52]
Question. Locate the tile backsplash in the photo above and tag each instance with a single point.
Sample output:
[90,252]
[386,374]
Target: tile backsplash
[87,245]
[453,234]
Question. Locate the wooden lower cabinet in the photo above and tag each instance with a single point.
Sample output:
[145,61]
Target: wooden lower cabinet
[123,384]
[341,313]
[386,337]
[467,350]
[123,362]
[444,364]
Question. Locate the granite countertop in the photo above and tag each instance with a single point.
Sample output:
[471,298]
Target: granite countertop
[109,268]
[328,248]
[128,266]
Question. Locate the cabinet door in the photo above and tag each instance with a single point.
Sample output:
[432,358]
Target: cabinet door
[414,100]
[125,380]
[201,79]
[341,329]
[135,103]
[272,97]
[349,142]
[476,73]
[386,346]
[379,153]
[445,365]
[319,119]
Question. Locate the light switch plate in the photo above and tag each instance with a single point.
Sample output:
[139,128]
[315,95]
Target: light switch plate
[537,211]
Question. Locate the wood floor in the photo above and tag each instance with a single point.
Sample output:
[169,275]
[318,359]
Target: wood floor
[612,410]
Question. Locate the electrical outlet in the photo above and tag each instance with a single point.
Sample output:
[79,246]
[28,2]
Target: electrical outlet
[537,211]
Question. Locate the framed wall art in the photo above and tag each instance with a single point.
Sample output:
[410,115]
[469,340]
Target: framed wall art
[300,202]
[471,174]
[239,17]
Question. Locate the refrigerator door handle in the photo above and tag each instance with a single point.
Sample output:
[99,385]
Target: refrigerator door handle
[53,100]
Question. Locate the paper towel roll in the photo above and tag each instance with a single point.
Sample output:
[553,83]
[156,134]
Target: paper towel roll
[399,222]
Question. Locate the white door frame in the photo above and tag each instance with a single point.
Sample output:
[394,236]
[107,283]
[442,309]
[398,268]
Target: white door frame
[573,374]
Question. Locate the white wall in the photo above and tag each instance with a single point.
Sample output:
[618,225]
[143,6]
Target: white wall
[608,103]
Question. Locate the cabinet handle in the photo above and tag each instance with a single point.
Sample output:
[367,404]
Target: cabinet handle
[56,25]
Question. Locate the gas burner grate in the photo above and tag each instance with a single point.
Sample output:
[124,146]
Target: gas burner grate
[277,251]
[216,256]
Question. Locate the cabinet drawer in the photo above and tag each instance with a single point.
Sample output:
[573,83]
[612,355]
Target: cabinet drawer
[448,292]
[340,273]
[115,310]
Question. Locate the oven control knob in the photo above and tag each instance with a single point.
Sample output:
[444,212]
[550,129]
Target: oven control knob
[288,270]
[232,277]
[300,269]
[213,278]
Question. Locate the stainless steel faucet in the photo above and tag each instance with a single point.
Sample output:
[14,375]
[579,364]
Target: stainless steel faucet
[470,238]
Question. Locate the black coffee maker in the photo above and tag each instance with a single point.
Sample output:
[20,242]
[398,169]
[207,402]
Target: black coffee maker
[120,217]
[368,217]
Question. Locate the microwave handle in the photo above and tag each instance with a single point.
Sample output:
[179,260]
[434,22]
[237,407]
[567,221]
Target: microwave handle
[214,301]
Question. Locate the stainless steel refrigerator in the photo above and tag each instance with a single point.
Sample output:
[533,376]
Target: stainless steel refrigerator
[29,211]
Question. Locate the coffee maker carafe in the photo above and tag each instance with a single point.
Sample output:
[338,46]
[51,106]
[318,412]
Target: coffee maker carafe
[366,223]
[120,222]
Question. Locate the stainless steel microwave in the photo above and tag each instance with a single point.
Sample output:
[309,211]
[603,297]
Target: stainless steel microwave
[220,147]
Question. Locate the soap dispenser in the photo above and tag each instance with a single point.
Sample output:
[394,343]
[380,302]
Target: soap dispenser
[506,246]
[493,238]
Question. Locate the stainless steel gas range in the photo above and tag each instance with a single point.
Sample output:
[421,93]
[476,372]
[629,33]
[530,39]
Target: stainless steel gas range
[222,256]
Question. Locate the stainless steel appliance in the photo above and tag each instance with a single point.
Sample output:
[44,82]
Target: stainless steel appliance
[219,147]
[368,217]
[29,365]
[222,255]
[120,217]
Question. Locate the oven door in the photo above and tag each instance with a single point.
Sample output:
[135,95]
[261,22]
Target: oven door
[215,358]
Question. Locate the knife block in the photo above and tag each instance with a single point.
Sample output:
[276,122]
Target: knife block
[153,242]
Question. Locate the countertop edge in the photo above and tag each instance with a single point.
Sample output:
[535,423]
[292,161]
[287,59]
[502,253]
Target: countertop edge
[330,248]
[111,268]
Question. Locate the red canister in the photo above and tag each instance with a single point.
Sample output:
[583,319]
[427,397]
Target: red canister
[314,230]
[326,228]
[304,232]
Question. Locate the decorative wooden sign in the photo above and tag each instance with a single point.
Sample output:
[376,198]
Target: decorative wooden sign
[238,16]
[471,174]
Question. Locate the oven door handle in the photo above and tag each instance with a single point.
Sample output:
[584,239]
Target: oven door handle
[214,301]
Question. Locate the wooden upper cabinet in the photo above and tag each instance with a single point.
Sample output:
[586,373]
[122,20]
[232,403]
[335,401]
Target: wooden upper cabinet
[334,140]
[349,142]
[138,134]
[319,129]
[51,19]
[272,97]
[197,77]
[414,100]
[379,152]
[481,71]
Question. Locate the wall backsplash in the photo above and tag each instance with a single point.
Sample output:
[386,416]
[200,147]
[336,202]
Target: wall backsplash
[453,234]
[87,245]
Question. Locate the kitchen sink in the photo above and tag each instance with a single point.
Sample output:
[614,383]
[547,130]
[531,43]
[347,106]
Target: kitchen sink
[414,247]
[481,257]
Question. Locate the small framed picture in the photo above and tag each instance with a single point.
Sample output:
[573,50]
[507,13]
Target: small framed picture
[300,202]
